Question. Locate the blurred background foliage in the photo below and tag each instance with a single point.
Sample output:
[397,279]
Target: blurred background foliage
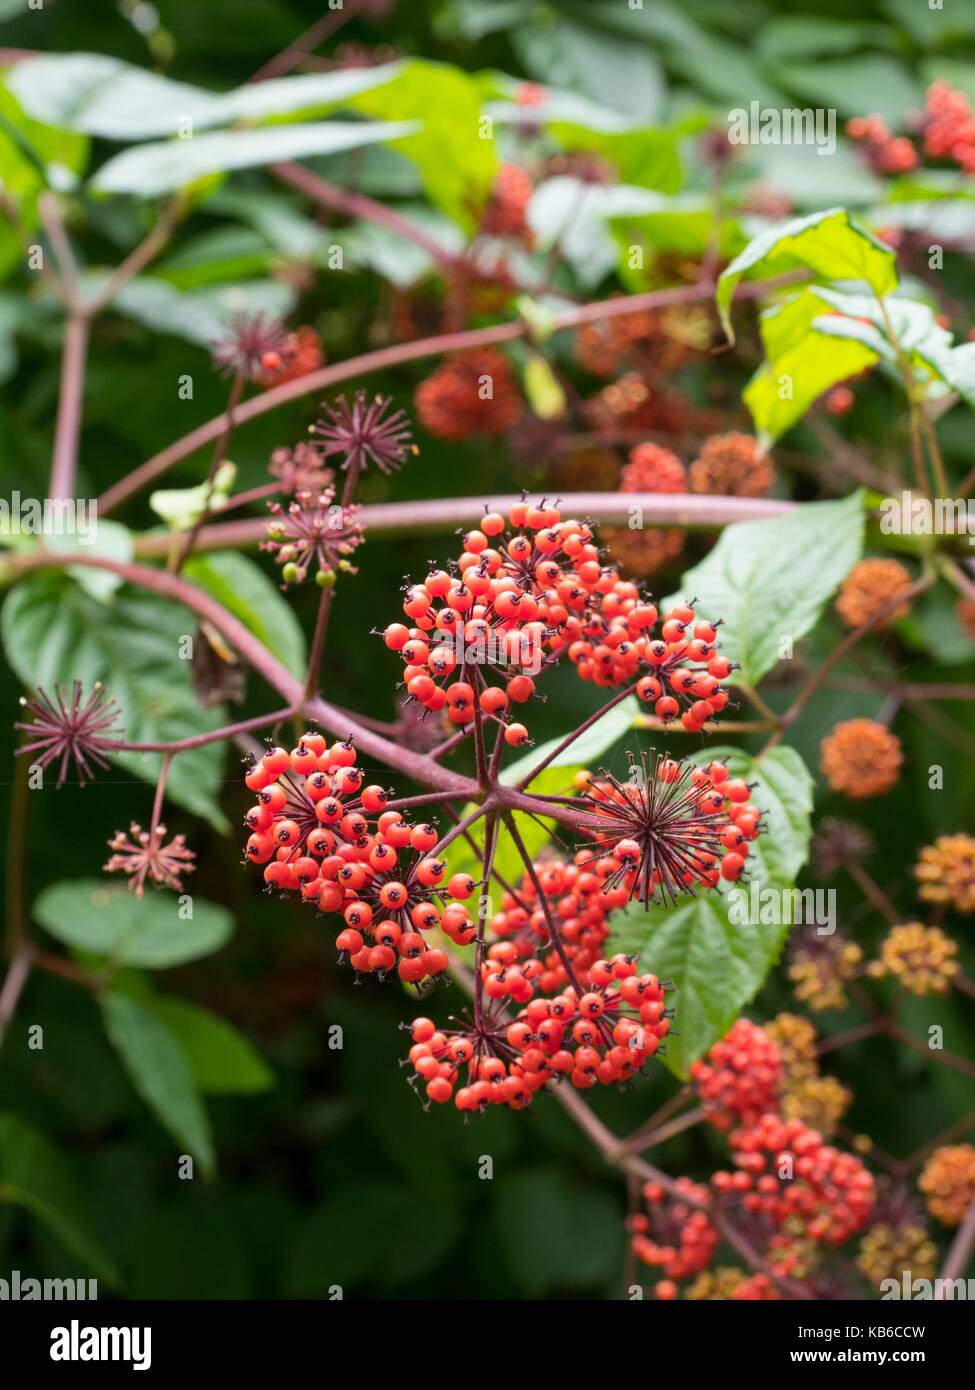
[332,1175]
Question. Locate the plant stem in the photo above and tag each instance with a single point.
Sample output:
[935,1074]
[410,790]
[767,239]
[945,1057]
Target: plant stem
[13,986]
[314,383]
[961,1251]
[872,890]
[219,454]
[357,205]
[183,745]
[67,430]
[569,739]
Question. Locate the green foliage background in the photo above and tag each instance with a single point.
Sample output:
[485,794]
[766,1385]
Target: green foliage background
[333,1175]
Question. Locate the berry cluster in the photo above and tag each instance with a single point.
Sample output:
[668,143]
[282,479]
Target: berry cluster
[470,393]
[672,827]
[576,898]
[949,126]
[313,535]
[498,610]
[886,153]
[868,588]
[505,213]
[946,872]
[674,1235]
[788,1174]
[921,959]
[611,641]
[320,833]
[739,1079]
[602,1036]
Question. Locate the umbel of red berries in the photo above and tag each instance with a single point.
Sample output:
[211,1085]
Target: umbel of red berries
[739,1080]
[323,835]
[528,589]
[602,1035]
[671,828]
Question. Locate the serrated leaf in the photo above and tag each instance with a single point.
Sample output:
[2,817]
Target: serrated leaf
[719,963]
[222,1061]
[829,243]
[111,540]
[99,95]
[801,358]
[103,917]
[161,167]
[53,632]
[770,580]
[243,588]
[159,1071]
[35,1176]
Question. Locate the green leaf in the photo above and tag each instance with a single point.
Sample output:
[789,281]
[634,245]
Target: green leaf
[770,580]
[53,632]
[221,1059]
[542,389]
[159,168]
[243,588]
[35,156]
[105,918]
[200,315]
[800,363]
[718,962]
[98,95]
[183,507]
[610,70]
[870,82]
[109,539]
[33,1175]
[829,243]
[456,164]
[159,1071]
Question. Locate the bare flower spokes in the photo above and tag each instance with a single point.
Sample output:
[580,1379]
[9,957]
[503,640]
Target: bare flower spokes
[70,729]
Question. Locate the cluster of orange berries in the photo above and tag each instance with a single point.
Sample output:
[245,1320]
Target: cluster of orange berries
[670,827]
[471,392]
[500,611]
[887,153]
[787,1173]
[674,1234]
[602,1036]
[947,127]
[320,833]
[517,599]
[505,213]
[577,899]
[739,1079]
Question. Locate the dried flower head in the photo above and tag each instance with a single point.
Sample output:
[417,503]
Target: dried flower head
[820,968]
[248,340]
[70,728]
[363,433]
[732,465]
[653,469]
[948,1182]
[142,855]
[838,843]
[946,872]
[861,758]
[819,1101]
[921,958]
[314,534]
[642,553]
[868,588]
